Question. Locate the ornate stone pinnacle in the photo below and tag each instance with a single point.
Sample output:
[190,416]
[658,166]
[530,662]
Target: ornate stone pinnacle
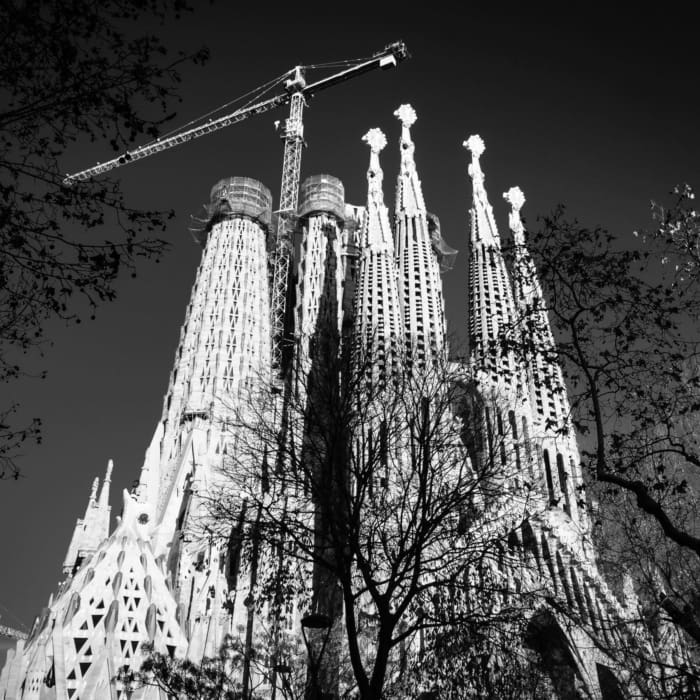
[475,144]
[515,197]
[406,115]
[375,139]
[93,490]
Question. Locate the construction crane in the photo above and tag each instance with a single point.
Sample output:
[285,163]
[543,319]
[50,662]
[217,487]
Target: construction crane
[296,93]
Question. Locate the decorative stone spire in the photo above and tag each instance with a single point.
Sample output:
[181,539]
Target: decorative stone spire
[483,223]
[515,197]
[224,349]
[491,306]
[419,283]
[409,193]
[104,494]
[376,140]
[378,322]
[93,491]
[92,528]
[547,389]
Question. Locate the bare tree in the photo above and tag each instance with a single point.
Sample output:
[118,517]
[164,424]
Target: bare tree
[219,678]
[625,311]
[365,488]
[71,72]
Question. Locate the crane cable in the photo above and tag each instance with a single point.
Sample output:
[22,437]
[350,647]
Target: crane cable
[255,94]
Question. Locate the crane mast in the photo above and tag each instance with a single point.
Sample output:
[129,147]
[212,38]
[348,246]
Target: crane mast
[293,135]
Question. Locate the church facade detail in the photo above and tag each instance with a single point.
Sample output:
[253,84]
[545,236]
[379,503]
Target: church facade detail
[362,273]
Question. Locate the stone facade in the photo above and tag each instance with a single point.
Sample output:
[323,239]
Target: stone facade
[153,580]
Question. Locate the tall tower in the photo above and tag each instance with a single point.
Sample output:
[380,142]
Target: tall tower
[490,306]
[164,577]
[223,359]
[379,325]
[548,396]
[500,379]
[537,446]
[319,309]
[419,283]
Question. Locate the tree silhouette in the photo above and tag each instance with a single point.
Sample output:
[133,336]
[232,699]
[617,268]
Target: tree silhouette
[363,505]
[625,312]
[71,72]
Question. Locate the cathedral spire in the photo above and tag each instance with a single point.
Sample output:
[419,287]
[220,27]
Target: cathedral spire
[378,321]
[547,389]
[419,283]
[104,493]
[409,192]
[93,492]
[377,229]
[527,286]
[483,222]
[92,528]
[491,307]
[515,197]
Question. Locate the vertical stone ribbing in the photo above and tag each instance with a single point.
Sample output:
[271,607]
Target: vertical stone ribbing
[378,322]
[548,396]
[224,347]
[419,283]
[490,300]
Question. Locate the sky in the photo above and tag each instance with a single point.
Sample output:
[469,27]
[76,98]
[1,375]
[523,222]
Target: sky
[595,110]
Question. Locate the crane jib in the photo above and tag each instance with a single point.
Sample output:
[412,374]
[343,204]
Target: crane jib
[388,57]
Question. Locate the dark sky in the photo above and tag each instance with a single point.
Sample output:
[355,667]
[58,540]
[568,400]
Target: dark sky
[595,110]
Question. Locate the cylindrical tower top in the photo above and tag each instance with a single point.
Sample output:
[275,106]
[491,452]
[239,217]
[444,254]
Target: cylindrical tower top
[322,193]
[240,196]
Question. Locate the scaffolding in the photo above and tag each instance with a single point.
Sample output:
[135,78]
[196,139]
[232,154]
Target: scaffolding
[322,193]
[233,197]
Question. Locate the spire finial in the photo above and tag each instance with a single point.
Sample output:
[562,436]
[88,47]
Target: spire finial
[376,140]
[409,193]
[515,197]
[93,490]
[476,145]
[406,114]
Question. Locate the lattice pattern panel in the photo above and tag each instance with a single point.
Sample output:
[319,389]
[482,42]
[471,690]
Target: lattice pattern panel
[225,340]
[231,346]
[115,603]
